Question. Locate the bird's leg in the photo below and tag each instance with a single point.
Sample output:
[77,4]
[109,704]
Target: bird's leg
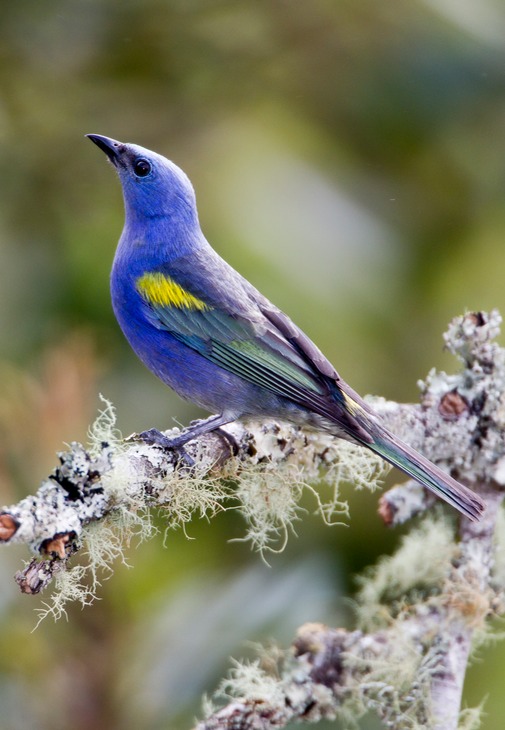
[197,428]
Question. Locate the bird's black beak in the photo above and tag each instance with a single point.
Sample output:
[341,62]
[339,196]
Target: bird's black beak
[111,147]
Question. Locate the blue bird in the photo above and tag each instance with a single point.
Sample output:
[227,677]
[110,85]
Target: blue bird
[206,332]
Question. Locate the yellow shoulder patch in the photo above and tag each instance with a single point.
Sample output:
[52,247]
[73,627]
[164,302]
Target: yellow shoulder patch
[163,291]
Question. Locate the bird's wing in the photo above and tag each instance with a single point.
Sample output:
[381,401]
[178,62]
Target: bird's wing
[206,304]
[221,317]
[234,342]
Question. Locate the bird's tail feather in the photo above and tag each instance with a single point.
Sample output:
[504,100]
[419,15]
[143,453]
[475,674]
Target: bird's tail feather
[418,467]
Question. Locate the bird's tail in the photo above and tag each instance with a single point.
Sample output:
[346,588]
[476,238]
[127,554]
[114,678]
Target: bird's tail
[418,467]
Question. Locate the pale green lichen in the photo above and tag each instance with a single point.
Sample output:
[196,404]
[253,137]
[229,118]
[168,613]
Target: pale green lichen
[103,430]
[417,569]
[392,679]
[248,680]
[350,463]
[288,464]
[268,492]
[471,718]
[269,498]
[103,544]
[70,586]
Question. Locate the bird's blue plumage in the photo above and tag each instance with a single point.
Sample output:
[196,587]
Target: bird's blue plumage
[215,339]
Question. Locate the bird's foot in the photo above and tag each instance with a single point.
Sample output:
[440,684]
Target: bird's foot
[196,429]
[153,437]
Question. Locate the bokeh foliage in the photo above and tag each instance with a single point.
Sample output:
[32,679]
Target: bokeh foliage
[348,157]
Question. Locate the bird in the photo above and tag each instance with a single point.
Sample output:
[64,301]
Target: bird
[210,335]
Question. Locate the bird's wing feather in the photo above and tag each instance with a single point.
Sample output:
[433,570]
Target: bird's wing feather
[310,352]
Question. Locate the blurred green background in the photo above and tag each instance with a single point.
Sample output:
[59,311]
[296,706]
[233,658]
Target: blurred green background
[349,159]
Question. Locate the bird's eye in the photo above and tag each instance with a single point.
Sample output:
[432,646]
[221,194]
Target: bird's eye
[142,167]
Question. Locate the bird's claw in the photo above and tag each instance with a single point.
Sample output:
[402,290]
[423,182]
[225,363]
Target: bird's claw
[153,437]
[230,440]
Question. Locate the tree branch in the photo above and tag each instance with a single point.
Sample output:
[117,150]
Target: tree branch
[113,478]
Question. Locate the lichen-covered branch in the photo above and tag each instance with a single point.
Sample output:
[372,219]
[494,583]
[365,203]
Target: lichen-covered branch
[314,684]
[418,611]
[417,614]
[327,674]
[117,481]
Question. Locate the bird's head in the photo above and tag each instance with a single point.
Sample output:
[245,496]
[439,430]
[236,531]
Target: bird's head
[153,187]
